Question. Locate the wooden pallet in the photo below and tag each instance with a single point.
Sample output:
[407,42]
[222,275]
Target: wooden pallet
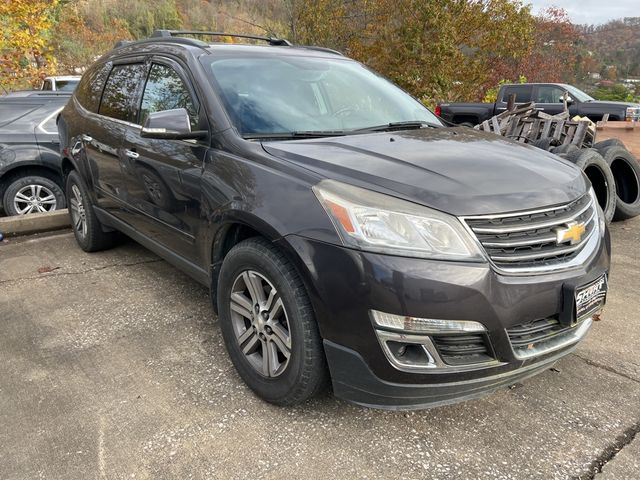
[526,124]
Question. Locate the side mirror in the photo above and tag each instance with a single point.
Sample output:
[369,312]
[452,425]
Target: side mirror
[170,125]
[569,101]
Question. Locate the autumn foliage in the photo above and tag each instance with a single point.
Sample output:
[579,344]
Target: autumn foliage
[436,49]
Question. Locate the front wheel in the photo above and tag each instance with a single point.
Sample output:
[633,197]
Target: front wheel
[268,324]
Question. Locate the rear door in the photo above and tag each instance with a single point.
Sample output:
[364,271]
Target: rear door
[105,132]
[523,94]
[163,176]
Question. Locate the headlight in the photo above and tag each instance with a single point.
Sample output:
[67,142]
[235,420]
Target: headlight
[380,223]
[599,212]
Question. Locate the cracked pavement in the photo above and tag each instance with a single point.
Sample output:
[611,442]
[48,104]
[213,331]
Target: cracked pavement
[112,366]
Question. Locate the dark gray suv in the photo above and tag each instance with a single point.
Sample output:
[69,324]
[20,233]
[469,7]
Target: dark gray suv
[345,234]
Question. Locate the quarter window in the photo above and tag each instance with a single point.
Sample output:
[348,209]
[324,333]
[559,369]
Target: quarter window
[90,87]
[119,90]
[165,90]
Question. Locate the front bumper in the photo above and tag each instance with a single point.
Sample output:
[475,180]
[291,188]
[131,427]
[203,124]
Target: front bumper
[345,285]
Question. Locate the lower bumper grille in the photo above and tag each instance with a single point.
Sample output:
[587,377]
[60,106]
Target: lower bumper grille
[543,336]
[526,334]
[463,349]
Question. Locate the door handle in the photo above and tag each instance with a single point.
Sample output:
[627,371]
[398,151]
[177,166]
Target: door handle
[131,154]
[87,138]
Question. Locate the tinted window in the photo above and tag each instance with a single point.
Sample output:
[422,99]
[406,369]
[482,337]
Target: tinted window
[523,93]
[90,88]
[165,90]
[120,90]
[47,85]
[549,94]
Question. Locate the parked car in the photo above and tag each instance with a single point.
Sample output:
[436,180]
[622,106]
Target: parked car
[549,97]
[67,83]
[30,178]
[343,232]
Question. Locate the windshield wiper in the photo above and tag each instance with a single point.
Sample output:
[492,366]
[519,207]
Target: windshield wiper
[290,135]
[408,125]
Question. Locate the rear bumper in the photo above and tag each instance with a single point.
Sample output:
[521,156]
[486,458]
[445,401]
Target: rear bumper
[354,382]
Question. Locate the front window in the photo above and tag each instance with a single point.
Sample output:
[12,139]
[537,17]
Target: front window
[275,95]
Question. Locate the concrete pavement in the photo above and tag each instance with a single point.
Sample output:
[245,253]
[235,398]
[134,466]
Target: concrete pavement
[112,366]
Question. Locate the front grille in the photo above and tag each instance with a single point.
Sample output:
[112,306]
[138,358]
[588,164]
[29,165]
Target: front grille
[463,349]
[529,239]
[529,335]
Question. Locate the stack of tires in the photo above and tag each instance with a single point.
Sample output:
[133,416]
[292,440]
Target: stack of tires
[614,173]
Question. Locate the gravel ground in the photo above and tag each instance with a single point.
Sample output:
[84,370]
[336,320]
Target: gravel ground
[112,366]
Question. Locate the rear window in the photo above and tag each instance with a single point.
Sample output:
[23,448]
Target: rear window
[523,93]
[90,88]
[120,90]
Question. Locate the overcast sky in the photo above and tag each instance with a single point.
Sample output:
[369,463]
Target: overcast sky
[591,11]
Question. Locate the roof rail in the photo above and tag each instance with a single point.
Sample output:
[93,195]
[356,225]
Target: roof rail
[281,42]
[323,49]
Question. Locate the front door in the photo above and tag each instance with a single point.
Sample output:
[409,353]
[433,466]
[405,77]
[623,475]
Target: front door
[163,176]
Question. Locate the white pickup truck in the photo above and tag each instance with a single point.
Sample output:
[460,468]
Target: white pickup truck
[61,84]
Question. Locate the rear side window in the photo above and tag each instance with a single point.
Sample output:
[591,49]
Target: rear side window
[120,90]
[165,90]
[523,93]
[90,87]
[47,85]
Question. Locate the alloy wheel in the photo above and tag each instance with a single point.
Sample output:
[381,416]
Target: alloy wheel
[34,199]
[260,323]
[78,214]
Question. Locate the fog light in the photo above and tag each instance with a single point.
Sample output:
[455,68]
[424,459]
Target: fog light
[423,325]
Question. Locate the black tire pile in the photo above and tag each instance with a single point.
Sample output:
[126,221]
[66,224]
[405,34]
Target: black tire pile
[614,173]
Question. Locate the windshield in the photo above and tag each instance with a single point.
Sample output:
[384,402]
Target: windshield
[295,95]
[578,94]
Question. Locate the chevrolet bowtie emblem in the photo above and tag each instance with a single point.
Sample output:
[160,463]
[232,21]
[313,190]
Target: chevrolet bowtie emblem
[572,232]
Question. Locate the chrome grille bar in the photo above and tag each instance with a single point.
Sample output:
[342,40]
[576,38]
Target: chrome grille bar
[522,241]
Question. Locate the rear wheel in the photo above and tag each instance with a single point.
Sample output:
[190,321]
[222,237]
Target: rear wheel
[32,194]
[268,324]
[86,227]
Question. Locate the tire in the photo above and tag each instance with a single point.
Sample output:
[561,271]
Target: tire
[466,124]
[626,172]
[564,150]
[86,226]
[257,264]
[607,143]
[32,194]
[600,176]
[542,143]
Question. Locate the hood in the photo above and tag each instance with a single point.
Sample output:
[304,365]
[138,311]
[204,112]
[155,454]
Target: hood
[456,170]
[611,104]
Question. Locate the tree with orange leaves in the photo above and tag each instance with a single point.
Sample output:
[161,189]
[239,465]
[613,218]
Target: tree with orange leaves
[26,26]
